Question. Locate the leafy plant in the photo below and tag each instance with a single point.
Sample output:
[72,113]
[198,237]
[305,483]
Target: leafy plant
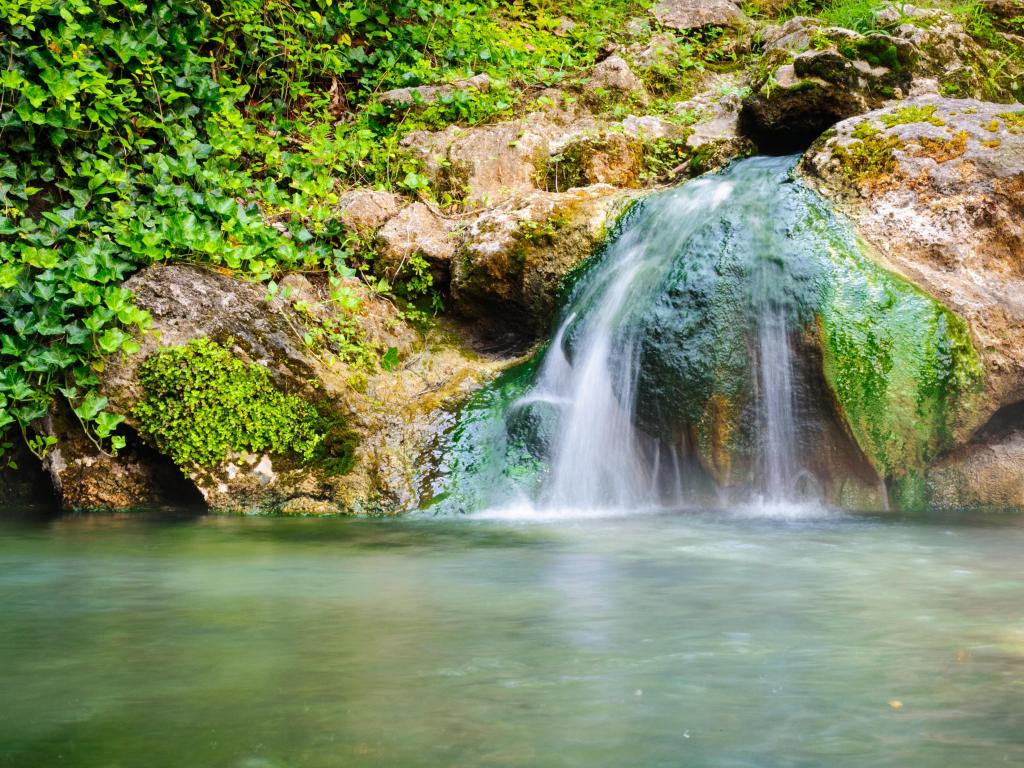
[201,402]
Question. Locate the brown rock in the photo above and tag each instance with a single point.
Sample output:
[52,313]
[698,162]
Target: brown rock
[366,210]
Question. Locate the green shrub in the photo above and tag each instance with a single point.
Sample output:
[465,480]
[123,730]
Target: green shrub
[201,402]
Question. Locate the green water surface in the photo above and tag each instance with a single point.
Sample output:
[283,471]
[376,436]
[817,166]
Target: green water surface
[673,639]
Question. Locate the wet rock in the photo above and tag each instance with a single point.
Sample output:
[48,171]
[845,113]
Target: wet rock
[988,471]
[85,477]
[694,14]
[937,186]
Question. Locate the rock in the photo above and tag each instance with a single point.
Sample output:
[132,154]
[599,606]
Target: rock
[565,26]
[614,75]
[417,229]
[366,210]
[594,158]
[803,92]
[487,164]
[86,478]
[980,475]
[809,90]
[693,14]
[946,52]
[427,94]
[388,415]
[937,187]
[715,137]
[508,268]
[1006,10]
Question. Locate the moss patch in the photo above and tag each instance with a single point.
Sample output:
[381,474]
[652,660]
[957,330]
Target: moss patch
[870,162]
[912,114]
[201,402]
[942,150]
[901,365]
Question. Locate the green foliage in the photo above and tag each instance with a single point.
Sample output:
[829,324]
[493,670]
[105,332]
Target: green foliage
[201,402]
[137,131]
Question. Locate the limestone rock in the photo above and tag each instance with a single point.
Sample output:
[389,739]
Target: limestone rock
[693,14]
[937,187]
[507,271]
[84,477]
[487,164]
[366,210]
[417,229]
[426,94]
[990,475]
[814,75]
[613,74]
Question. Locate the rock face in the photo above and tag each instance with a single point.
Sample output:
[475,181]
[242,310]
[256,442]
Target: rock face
[387,413]
[366,210]
[813,76]
[418,229]
[987,472]
[693,14]
[937,187]
[512,259]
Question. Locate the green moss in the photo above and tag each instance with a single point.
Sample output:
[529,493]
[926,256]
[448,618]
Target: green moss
[870,161]
[201,402]
[876,50]
[912,114]
[901,366]
[1014,120]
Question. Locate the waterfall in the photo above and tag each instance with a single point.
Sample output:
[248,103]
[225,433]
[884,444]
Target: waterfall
[670,371]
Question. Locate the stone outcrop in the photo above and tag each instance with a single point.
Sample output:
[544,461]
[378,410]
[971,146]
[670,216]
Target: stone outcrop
[513,258]
[388,413]
[427,94]
[937,187]
[813,76]
[684,15]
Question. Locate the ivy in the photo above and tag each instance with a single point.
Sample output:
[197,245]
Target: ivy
[221,134]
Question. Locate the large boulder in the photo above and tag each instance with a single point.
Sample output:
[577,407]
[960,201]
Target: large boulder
[379,418]
[936,186]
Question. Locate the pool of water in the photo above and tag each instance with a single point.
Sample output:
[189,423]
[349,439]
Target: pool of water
[673,639]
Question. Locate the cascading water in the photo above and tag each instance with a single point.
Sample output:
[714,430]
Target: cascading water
[671,378]
[598,456]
